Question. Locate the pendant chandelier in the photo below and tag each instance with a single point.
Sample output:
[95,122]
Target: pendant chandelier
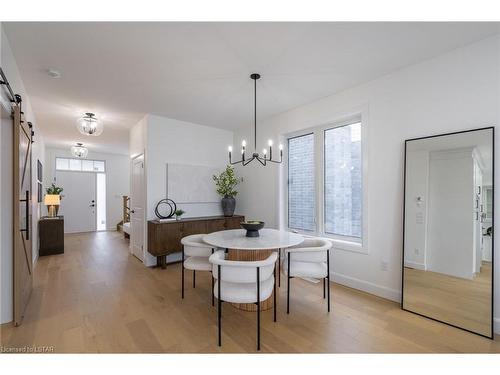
[79,151]
[90,125]
[265,158]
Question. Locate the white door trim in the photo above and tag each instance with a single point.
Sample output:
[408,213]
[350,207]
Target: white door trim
[143,186]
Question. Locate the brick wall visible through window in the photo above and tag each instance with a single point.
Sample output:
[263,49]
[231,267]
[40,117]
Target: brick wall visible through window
[343,181]
[301,183]
[340,205]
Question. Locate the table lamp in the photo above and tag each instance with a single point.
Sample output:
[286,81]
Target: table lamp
[52,200]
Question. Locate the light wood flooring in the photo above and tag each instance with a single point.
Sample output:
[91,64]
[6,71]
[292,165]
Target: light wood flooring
[98,298]
[462,302]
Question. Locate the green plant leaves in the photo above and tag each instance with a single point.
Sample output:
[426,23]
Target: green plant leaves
[53,189]
[226,182]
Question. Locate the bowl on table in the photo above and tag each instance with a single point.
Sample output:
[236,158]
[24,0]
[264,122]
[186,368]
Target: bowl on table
[252,227]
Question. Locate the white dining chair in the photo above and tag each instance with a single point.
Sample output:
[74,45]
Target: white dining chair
[310,259]
[197,253]
[243,282]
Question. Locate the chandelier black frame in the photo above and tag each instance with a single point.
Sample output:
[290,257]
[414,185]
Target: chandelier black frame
[264,159]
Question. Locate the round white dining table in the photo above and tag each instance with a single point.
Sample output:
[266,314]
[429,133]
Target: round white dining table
[236,239]
[242,248]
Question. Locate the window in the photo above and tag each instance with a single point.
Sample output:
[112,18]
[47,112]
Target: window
[343,180]
[325,183]
[80,165]
[301,199]
[87,165]
[75,165]
[62,164]
[101,201]
[98,166]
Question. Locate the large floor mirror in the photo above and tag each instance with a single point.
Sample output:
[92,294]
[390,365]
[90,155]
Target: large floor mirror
[448,229]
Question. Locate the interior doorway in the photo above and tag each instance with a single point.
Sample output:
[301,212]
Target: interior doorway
[137,203]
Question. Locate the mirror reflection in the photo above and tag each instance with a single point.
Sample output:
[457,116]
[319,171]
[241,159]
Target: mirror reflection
[448,236]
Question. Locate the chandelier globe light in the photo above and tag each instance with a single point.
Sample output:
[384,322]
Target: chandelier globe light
[79,151]
[89,124]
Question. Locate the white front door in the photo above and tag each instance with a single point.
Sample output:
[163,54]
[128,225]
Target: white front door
[137,208]
[78,205]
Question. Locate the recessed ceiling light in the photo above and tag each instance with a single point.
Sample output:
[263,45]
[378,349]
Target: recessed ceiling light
[54,73]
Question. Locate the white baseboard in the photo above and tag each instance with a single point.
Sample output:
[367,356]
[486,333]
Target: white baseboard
[496,325]
[366,286]
[415,265]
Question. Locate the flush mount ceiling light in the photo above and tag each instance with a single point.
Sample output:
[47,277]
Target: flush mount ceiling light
[90,125]
[53,73]
[79,151]
[255,155]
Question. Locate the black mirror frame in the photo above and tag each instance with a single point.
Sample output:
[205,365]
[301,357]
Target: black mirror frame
[492,128]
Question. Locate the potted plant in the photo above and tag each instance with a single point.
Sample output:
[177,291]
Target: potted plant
[55,190]
[226,183]
[178,214]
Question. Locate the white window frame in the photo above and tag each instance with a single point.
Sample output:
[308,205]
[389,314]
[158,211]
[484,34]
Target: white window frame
[352,244]
[82,171]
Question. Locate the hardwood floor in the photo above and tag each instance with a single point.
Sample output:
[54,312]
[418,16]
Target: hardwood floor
[98,298]
[462,302]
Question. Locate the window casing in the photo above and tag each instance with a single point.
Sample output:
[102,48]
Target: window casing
[80,165]
[339,196]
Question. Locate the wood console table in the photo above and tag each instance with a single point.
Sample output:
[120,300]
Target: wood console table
[165,238]
[51,235]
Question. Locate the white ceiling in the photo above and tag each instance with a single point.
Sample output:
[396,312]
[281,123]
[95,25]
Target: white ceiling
[198,72]
[481,140]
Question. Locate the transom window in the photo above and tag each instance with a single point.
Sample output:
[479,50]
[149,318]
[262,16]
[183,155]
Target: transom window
[325,181]
[80,165]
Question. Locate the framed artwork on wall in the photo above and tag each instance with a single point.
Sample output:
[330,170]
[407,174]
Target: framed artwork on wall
[39,170]
[40,192]
[39,177]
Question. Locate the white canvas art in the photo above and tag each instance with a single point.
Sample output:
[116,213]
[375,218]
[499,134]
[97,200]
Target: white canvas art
[191,184]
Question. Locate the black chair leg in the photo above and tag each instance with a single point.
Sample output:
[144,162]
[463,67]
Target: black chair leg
[212,284]
[258,308]
[213,304]
[288,286]
[328,276]
[182,265]
[274,295]
[194,279]
[324,287]
[279,268]
[219,305]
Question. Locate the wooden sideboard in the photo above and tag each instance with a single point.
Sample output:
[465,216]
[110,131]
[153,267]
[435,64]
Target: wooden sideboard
[164,238]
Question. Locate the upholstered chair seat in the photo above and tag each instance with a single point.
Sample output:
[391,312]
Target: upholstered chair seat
[195,254]
[243,282]
[310,259]
[197,264]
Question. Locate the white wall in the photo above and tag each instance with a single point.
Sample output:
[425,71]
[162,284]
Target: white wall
[117,180]
[450,241]
[172,141]
[9,66]
[458,90]
[137,138]
[417,180]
